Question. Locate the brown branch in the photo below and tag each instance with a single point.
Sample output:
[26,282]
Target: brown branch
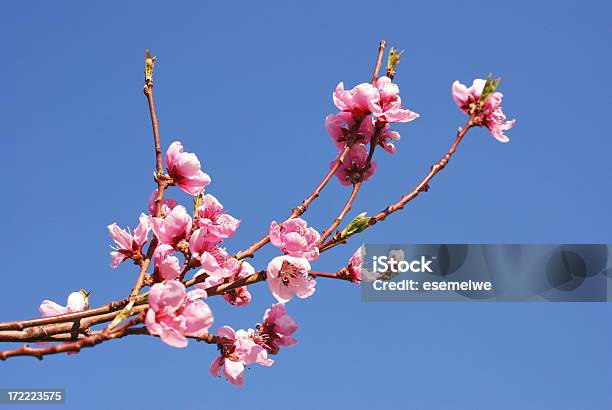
[78,326]
[206,338]
[343,212]
[422,186]
[68,317]
[162,180]
[325,275]
[298,210]
[75,346]
[381,51]
[148,91]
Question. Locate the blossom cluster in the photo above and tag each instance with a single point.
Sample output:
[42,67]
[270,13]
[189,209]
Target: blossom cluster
[486,113]
[241,348]
[183,240]
[366,114]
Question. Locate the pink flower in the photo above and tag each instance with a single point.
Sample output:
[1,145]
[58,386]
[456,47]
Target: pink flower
[386,138]
[222,269]
[294,238]
[389,107]
[358,100]
[167,265]
[494,118]
[353,269]
[466,98]
[202,242]
[174,312]
[277,328]
[288,275]
[77,302]
[210,216]
[185,170]
[128,246]
[489,115]
[238,297]
[174,227]
[237,351]
[351,170]
[167,205]
[343,129]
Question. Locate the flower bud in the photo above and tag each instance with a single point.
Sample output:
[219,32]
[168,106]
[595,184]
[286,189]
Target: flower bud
[359,224]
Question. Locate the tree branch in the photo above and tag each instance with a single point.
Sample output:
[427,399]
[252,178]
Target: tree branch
[75,346]
[298,210]
[345,209]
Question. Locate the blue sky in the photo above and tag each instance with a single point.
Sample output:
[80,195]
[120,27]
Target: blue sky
[247,86]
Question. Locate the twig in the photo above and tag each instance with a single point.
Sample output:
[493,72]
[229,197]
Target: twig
[161,178]
[298,210]
[68,317]
[381,51]
[72,347]
[206,338]
[343,212]
[79,326]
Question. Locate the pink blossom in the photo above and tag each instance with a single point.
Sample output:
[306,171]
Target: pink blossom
[185,170]
[277,328]
[466,98]
[489,115]
[288,275]
[353,269]
[174,312]
[238,297]
[174,227]
[294,238]
[167,205]
[202,242]
[237,351]
[341,127]
[222,269]
[211,217]
[351,170]
[386,138]
[358,100]
[127,245]
[389,107]
[167,265]
[494,118]
[77,302]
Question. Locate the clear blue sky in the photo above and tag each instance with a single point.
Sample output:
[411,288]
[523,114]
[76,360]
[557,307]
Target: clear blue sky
[246,86]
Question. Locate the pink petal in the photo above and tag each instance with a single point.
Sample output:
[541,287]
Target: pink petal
[50,308]
[234,371]
[215,367]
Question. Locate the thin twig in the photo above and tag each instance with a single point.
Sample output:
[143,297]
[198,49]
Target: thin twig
[298,210]
[206,337]
[161,178]
[379,58]
[345,209]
